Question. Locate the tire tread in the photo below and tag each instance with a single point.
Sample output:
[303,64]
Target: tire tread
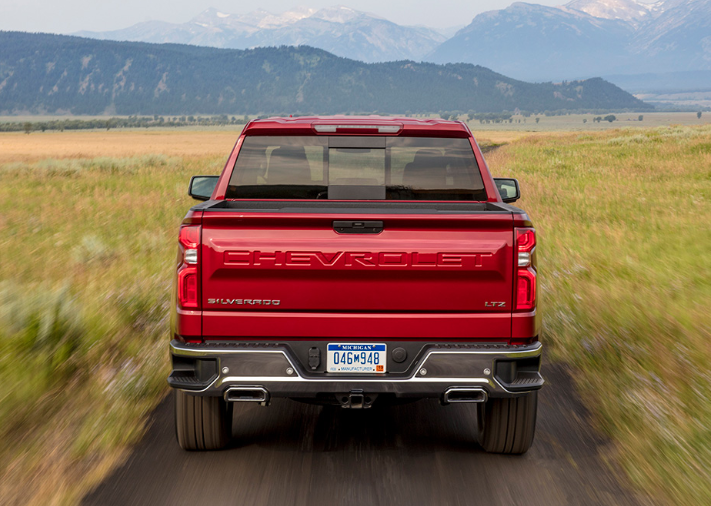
[202,423]
[509,425]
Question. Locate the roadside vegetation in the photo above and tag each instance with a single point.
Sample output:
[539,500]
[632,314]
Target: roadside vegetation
[156,121]
[85,280]
[85,284]
[626,290]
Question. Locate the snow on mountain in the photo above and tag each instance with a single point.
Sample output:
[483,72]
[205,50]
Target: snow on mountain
[625,10]
[296,14]
[670,35]
[339,29]
[678,38]
[353,34]
[339,14]
[266,20]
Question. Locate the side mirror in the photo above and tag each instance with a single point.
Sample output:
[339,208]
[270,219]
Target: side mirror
[201,187]
[508,189]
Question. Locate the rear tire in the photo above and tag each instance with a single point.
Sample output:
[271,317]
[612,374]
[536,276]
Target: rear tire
[202,423]
[508,425]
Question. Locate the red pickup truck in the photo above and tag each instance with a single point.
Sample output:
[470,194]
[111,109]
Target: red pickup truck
[351,261]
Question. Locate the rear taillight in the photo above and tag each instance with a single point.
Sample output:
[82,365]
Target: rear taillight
[188,293]
[187,288]
[190,239]
[525,269]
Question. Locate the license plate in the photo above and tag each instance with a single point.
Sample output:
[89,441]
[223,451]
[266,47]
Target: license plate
[356,358]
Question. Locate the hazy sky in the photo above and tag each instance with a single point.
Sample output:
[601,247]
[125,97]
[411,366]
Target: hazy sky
[66,16]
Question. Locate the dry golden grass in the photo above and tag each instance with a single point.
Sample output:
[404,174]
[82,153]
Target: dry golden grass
[503,136]
[19,147]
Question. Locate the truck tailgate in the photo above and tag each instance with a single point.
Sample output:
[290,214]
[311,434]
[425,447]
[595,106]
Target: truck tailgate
[421,276]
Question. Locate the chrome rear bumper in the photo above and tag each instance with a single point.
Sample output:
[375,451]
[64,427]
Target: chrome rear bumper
[216,369]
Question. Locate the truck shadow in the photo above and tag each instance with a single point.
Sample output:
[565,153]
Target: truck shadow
[292,426]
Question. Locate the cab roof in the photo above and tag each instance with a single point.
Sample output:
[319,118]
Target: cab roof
[358,125]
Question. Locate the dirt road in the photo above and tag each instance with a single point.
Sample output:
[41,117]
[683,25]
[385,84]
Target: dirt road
[415,454]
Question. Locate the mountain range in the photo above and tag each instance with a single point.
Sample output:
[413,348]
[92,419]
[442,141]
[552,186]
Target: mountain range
[50,74]
[586,37]
[582,38]
[338,30]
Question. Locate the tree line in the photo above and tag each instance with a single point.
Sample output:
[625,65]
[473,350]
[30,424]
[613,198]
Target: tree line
[114,122]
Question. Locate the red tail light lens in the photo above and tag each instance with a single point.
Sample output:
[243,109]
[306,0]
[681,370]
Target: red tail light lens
[525,239]
[190,236]
[188,288]
[526,277]
[526,290]
[188,281]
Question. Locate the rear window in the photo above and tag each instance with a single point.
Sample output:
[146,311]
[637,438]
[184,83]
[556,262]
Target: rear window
[356,168]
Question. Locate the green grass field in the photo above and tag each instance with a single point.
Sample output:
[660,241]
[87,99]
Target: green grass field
[85,281]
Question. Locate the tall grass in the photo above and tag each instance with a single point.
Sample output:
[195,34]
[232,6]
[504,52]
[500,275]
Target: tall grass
[86,248]
[625,262]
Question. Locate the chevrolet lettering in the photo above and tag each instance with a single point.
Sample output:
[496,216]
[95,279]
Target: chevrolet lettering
[349,259]
[354,261]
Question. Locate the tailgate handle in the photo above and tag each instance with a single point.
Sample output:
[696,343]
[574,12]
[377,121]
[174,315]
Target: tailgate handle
[358,227]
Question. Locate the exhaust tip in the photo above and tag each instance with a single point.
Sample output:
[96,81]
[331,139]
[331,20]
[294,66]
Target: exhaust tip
[464,394]
[247,394]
